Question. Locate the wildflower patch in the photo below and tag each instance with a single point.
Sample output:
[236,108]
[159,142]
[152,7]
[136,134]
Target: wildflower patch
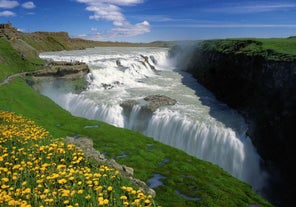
[38,170]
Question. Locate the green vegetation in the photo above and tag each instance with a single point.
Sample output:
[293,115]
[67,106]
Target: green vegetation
[12,61]
[207,184]
[38,170]
[188,175]
[277,49]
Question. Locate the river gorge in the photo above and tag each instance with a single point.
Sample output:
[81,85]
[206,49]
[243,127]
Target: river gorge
[190,118]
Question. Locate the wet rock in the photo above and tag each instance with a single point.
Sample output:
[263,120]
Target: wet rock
[152,58]
[150,103]
[118,63]
[110,85]
[146,61]
[62,69]
[156,101]
[129,104]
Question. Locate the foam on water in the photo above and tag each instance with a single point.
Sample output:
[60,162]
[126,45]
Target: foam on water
[198,124]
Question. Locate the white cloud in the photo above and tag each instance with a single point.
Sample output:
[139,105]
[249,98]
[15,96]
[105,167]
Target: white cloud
[234,25]
[28,5]
[109,10]
[117,32]
[6,4]
[251,7]
[7,14]
[117,2]
[131,30]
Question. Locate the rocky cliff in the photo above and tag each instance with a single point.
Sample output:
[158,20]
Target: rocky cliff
[261,84]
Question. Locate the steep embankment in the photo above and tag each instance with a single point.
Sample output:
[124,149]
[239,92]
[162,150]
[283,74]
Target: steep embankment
[257,77]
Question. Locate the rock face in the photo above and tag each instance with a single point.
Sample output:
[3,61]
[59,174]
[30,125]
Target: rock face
[156,101]
[62,69]
[144,109]
[264,91]
[152,102]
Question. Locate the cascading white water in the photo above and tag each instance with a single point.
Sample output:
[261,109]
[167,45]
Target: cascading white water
[198,124]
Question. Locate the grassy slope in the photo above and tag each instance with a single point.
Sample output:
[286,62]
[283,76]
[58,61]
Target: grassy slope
[12,61]
[184,173]
[278,49]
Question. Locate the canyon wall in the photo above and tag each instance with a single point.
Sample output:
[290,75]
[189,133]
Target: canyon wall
[262,87]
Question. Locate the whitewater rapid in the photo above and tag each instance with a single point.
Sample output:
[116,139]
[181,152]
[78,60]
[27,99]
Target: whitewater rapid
[197,124]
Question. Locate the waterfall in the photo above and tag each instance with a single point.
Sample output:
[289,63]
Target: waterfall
[197,124]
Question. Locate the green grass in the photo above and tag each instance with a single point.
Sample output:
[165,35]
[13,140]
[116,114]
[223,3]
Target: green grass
[277,49]
[186,174]
[39,170]
[12,61]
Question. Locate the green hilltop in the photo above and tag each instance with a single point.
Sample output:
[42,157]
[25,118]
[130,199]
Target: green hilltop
[277,49]
[187,181]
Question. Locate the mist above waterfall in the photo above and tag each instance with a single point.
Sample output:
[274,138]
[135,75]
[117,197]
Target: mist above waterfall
[131,74]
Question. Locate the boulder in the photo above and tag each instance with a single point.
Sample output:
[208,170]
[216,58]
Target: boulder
[150,103]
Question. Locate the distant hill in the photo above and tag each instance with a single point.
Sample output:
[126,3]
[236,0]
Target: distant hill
[19,51]
[36,42]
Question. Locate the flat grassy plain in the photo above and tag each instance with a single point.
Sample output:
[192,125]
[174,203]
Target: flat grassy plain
[203,184]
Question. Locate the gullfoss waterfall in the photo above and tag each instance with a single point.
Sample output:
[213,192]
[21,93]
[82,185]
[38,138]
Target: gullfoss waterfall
[182,113]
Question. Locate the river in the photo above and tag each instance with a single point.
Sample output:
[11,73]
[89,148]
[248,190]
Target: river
[197,124]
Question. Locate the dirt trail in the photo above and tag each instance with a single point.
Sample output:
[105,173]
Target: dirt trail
[10,77]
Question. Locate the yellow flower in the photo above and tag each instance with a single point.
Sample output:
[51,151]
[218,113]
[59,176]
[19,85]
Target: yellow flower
[62,181]
[109,188]
[65,193]
[4,186]
[123,197]
[5,180]
[66,202]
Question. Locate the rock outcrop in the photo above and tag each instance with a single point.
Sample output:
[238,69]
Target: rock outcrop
[150,103]
[62,69]
[86,145]
[263,90]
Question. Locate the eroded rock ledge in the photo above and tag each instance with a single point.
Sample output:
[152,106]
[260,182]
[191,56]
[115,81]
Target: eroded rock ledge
[150,103]
[86,145]
[62,69]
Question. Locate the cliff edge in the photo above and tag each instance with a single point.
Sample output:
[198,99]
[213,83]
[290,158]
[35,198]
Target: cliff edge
[258,78]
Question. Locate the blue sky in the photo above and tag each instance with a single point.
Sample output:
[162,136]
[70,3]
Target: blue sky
[151,20]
